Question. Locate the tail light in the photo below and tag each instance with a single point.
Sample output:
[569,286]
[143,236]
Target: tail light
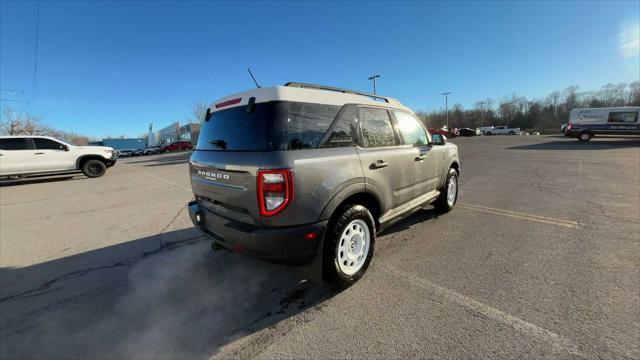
[568,127]
[275,190]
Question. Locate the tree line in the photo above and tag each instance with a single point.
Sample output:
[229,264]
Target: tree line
[540,114]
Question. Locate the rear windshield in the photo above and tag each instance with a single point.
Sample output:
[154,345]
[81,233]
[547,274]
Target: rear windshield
[278,125]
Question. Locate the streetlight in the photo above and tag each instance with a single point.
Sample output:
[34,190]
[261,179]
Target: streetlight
[446,105]
[374,82]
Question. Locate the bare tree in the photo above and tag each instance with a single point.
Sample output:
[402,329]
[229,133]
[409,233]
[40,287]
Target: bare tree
[198,111]
[15,123]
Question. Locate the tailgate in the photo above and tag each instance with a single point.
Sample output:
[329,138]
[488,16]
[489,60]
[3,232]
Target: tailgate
[225,183]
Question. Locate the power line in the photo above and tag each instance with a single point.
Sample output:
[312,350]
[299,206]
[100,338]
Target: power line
[35,59]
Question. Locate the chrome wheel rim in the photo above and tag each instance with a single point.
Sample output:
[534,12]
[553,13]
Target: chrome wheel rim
[452,191]
[353,247]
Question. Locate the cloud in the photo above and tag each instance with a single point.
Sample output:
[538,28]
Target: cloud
[629,39]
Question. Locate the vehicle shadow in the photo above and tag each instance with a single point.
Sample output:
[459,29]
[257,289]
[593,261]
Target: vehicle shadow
[419,216]
[38,180]
[573,144]
[166,296]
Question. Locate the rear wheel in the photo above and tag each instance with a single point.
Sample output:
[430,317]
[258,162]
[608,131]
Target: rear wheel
[512,132]
[349,246]
[488,133]
[585,136]
[449,193]
[94,168]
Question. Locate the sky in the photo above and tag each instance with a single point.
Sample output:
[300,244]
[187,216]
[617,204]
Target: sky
[111,68]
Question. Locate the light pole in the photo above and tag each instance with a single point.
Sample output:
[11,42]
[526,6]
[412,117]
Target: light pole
[374,77]
[481,113]
[446,105]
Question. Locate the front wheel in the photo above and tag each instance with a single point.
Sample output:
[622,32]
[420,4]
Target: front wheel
[488,133]
[449,193]
[349,246]
[94,168]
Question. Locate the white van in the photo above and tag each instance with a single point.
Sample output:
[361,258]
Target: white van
[586,123]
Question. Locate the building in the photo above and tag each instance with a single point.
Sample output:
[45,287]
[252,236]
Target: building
[125,143]
[175,132]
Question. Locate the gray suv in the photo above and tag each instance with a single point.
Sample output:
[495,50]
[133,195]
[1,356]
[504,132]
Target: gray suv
[306,173]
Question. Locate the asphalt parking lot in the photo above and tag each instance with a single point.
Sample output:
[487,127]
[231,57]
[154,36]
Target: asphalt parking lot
[540,259]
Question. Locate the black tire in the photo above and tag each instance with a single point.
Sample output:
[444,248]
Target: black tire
[442,204]
[585,136]
[512,132]
[488,133]
[93,168]
[332,271]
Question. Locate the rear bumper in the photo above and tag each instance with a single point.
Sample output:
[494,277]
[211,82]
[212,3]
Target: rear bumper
[286,244]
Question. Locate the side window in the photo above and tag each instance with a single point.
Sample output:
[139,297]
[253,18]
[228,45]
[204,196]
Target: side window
[376,128]
[15,144]
[307,123]
[410,129]
[623,116]
[343,132]
[46,144]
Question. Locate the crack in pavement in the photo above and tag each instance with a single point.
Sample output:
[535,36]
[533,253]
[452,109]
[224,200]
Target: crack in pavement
[44,288]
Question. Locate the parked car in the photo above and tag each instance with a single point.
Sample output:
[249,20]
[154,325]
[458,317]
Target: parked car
[467,132]
[22,156]
[124,153]
[589,122]
[319,194]
[138,152]
[153,150]
[178,145]
[502,130]
[444,131]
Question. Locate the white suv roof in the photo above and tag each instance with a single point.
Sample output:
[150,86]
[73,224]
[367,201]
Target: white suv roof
[309,93]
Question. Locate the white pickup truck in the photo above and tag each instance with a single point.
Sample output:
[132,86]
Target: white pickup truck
[22,156]
[502,130]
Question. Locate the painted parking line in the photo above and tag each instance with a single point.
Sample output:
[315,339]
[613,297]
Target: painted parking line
[520,215]
[487,311]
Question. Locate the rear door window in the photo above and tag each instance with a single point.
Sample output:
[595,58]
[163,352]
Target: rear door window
[16,144]
[410,129]
[47,144]
[376,128]
[623,116]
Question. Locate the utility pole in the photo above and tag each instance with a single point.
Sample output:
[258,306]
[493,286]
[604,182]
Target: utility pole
[481,103]
[446,104]
[374,77]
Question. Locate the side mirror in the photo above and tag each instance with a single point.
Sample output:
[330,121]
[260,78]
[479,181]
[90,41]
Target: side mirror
[64,147]
[437,139]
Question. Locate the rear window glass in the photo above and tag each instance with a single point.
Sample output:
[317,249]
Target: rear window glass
[278,125]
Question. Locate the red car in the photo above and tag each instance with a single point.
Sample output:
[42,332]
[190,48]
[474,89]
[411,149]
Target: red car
[446,132]
[178,145]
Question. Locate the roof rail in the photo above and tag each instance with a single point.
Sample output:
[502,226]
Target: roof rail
[345,91]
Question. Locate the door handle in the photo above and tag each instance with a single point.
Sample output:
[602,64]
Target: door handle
[420,157]
[379,164]
[38,153]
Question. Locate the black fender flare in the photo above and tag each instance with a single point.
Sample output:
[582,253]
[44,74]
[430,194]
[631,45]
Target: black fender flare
[80,159]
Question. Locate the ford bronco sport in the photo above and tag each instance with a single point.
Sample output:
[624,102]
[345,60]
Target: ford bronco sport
[305,172]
